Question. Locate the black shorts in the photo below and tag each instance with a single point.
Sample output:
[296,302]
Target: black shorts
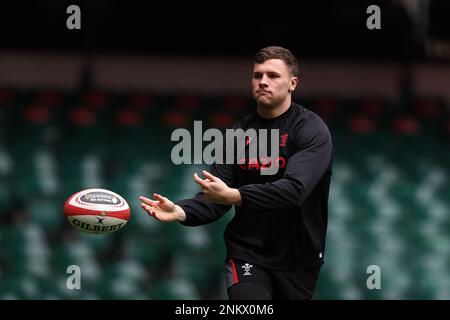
[247,281]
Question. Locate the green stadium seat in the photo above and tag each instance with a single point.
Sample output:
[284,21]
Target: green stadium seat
[174,289]
[388,202]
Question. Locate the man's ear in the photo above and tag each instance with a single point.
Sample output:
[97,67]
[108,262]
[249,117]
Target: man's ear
[293,84]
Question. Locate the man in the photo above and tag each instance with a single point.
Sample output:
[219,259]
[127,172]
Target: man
[276,240]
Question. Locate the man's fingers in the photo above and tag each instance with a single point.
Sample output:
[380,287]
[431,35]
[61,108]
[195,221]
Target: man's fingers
[148,201]
[153,212]
[200,181]
[209,176]
[160,198]
[148,209]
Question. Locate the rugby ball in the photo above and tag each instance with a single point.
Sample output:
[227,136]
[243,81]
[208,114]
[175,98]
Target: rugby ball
[97,211]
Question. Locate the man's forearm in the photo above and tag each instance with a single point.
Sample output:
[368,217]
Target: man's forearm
[235,197]
[198,210]
[181,215]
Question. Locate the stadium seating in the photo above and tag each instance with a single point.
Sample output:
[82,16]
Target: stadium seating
[389,200]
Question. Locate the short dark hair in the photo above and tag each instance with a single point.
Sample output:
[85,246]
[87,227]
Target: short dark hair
[274,52]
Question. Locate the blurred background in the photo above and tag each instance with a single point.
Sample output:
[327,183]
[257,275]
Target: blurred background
[95,108]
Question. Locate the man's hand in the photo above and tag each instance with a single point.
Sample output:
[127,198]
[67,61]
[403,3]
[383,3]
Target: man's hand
[162,209]
[216,191]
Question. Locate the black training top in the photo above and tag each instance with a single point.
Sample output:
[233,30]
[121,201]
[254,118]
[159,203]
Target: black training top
[282,221]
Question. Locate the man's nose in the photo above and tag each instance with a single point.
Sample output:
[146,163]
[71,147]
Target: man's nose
[263,82]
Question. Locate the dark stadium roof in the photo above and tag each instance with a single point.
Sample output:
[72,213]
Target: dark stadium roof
[316,29]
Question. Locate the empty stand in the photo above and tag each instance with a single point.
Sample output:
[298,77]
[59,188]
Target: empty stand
[389,201]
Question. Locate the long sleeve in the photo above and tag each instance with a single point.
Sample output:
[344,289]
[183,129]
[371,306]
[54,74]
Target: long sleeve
[304,170]
[298,192]
[198,210]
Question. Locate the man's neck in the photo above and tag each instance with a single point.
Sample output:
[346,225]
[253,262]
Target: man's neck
[268,112]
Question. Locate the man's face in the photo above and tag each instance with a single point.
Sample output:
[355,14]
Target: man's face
[272,83]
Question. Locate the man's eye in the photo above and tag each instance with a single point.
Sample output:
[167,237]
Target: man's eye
[257,76]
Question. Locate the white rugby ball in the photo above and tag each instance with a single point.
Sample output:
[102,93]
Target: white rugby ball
[97,211]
